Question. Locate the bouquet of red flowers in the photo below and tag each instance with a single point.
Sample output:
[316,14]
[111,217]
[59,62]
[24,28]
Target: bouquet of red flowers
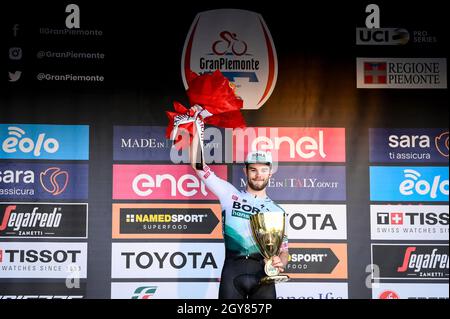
[213,102]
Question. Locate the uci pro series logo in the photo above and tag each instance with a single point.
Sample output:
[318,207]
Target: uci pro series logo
[239,44]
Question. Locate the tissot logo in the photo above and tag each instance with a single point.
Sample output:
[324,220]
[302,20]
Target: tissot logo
[167,260]
[43,220]
[166,221]
[421,262]
[408,145]
[43,260]
[409,183]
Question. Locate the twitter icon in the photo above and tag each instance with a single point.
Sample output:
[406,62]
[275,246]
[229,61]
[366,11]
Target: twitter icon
[13,77]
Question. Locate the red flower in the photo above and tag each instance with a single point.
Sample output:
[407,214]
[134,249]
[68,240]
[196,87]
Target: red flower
[215,94]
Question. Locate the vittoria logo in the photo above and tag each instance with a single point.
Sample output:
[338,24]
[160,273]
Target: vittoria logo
[164,290]
[410,290]
[291,144]
[239,44]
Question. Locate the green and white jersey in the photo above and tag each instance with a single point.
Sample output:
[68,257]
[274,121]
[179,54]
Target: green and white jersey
[237,207]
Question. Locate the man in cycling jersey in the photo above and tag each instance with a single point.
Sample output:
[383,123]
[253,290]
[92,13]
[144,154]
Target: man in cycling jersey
[244,265]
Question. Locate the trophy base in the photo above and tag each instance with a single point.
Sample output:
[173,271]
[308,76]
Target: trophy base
[274,279]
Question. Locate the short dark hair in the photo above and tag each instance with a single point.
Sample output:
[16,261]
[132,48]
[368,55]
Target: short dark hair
[248,164]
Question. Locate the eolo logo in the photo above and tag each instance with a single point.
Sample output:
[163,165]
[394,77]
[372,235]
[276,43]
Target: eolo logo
[239,44]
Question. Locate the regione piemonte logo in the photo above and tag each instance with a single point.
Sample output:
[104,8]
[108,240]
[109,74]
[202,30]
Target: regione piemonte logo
[39,141]
[401,73]
[239,44]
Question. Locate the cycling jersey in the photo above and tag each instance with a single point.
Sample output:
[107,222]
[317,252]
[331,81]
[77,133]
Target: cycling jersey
[237,207]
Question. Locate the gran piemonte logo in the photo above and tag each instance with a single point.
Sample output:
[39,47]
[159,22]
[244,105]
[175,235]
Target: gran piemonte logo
[401,73]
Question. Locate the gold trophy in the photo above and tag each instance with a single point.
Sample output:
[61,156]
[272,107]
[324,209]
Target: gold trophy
[268,232]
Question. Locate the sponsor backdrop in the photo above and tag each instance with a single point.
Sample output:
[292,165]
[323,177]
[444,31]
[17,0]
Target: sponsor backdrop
[351,100]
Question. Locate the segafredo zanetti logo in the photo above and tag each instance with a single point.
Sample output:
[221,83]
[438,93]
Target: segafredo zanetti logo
[239,44]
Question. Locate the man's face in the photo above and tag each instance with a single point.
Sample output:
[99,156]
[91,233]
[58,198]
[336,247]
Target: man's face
[258,176]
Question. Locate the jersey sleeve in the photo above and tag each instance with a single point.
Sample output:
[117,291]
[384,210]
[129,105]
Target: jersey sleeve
[221,188]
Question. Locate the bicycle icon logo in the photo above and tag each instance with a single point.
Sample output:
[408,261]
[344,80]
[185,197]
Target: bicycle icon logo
[229,40]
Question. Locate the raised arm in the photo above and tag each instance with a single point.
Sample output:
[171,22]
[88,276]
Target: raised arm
[221,188]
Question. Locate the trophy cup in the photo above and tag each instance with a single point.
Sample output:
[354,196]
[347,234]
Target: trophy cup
[268,232]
